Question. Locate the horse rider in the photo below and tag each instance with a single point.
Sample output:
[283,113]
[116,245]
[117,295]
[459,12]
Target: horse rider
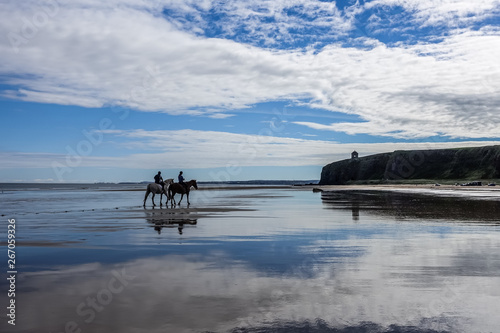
[181,180]
[159,179]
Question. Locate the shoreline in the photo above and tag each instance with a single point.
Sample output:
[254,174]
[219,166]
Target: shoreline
[212,187]
[469,192]
[409,186]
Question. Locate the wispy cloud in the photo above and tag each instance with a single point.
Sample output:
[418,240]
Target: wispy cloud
[209,149]
[263,22]
[443,12]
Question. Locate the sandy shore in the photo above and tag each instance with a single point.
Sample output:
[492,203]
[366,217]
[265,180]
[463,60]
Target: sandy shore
[408,187]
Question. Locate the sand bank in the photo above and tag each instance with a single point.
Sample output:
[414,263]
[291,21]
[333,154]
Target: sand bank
[407,186]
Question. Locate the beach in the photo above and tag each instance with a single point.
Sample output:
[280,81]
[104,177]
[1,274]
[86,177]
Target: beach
[255,259]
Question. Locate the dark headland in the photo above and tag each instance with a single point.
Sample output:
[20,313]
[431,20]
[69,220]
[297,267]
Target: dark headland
[477,163]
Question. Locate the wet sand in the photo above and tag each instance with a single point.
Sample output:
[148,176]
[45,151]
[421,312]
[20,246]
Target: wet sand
[361,258]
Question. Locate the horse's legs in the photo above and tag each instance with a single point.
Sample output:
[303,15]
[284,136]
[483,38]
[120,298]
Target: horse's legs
[161,197]
[182,196]
[153,199]
[187,196]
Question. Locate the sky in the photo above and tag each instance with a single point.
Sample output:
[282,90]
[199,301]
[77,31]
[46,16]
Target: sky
[114,91]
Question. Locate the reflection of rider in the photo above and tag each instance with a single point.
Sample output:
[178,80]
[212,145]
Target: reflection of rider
[159,179]
[181,180]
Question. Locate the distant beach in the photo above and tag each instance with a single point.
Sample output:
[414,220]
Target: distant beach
[421,188]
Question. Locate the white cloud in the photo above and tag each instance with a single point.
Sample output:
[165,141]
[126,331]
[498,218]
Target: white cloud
[209,149]
[450,88]
[444,12]
[126,53]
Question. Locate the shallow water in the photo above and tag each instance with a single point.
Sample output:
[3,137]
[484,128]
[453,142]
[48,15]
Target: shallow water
[268,260]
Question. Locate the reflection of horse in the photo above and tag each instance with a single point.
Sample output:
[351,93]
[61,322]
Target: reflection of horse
[170,223]
[179,188]
[160,219]
[158,189]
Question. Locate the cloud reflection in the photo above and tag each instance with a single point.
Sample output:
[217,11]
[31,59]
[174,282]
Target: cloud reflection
[411,283]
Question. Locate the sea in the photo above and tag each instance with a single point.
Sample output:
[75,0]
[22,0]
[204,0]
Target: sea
[248,258]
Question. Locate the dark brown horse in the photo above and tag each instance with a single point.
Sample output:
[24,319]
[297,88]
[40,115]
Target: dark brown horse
[179,188]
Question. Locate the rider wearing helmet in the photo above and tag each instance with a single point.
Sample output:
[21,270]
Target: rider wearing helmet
[159,179]
[181,180]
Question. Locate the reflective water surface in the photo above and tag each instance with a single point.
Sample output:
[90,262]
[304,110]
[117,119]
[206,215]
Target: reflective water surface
[255,260]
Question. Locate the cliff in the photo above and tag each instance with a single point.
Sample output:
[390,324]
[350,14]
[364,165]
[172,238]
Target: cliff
[460,163]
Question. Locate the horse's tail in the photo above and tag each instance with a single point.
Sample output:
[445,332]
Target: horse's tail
[171,193]
[147,193]
[167,191]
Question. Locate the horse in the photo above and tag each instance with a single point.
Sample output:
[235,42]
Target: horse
[179,188]
[158,189]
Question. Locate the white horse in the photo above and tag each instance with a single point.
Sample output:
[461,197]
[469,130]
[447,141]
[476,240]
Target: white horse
[158,189]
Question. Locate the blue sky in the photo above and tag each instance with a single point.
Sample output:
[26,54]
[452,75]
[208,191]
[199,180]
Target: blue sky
[239,90]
